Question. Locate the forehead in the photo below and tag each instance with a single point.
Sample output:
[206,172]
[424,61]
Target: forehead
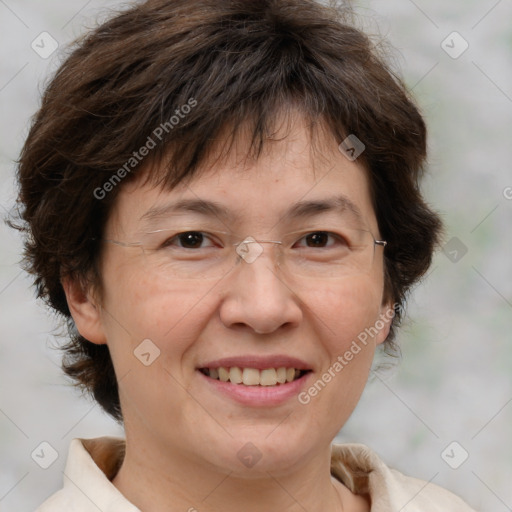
[299,173]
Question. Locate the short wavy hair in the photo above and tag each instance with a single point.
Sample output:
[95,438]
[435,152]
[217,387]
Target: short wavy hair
[242,62]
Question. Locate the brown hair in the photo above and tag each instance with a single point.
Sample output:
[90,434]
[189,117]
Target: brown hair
[240,61]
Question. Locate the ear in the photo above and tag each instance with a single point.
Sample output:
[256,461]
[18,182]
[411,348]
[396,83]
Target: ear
[387,313]
[85,310]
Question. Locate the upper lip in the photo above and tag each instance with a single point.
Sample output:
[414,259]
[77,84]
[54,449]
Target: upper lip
[258,362]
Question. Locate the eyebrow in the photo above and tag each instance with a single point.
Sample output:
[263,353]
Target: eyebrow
[341,204]
[207,208]
[201,206]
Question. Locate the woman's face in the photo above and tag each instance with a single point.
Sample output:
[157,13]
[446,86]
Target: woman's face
[169,332]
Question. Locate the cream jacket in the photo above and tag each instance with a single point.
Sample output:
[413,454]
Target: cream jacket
[93,463]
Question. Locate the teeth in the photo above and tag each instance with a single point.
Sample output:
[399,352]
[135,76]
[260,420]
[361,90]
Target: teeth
[223,374]
[253,376]
[280,375]
[235,375]
[268,377]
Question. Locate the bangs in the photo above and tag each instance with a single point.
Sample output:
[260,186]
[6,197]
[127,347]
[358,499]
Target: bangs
[181,161]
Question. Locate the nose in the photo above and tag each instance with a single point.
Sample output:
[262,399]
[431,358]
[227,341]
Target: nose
[258,297]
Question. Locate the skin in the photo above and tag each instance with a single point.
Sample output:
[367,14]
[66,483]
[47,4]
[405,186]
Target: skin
[182,436]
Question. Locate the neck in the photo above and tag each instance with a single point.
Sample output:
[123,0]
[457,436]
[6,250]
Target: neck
[173,482]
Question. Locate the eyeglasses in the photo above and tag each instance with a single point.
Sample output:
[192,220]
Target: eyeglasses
[187,253]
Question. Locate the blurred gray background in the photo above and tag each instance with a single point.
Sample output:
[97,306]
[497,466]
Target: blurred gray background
[444,412]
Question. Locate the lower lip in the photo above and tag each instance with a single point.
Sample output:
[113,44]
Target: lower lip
[258,396]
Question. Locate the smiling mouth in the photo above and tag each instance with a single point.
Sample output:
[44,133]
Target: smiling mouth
[253,376]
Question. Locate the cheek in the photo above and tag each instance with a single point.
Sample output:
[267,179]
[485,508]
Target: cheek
[343,316]
[171,317]
[138,307]
[344,309]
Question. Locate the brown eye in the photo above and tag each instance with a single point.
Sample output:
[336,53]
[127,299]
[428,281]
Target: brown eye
[322,240]
[318,239]
[188,240]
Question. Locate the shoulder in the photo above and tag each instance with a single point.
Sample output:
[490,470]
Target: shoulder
[363,472]
[87,477]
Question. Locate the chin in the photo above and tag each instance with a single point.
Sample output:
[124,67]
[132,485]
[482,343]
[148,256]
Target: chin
[255,452]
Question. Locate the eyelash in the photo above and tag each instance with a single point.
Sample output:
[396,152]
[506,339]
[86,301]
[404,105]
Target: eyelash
[170,241]
[206,236]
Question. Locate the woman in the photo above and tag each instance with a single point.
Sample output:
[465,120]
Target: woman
[222,199]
